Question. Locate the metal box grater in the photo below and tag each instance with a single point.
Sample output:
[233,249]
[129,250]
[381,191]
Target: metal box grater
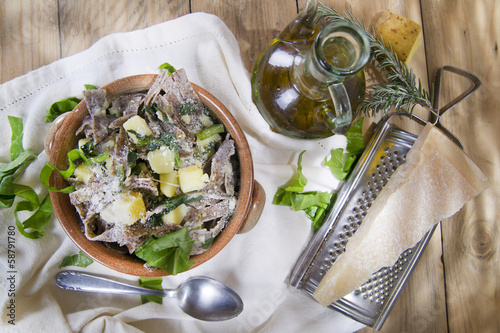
[371,303]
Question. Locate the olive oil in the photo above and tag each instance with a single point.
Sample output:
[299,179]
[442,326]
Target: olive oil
[277,91]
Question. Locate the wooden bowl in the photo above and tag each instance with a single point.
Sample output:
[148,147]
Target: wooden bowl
[61,138]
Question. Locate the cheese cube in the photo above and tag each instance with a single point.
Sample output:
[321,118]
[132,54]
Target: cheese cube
[176,216]
[138,125]
[169,183]
[192,178]
[127,208]
[162,160]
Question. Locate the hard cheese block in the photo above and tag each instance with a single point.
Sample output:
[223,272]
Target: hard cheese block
[401,32]
[437,179]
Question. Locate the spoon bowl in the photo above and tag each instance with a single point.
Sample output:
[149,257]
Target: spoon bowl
[200,297]
[208,299]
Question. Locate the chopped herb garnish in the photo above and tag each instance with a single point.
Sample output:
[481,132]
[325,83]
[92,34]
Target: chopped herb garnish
[166,139]
[170,204]
[88,148]
[185,108]
[154,110]
[132,157]
[207,243]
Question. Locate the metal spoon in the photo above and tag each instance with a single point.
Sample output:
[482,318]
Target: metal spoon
[200,297]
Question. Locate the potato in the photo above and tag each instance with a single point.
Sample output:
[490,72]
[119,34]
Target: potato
[83,173]
[162,160]
[176,216]
[169,183]
[127,208]
[138,125]
[192,178]
[402,33]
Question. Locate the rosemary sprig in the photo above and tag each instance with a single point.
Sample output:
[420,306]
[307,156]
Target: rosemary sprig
[403,90]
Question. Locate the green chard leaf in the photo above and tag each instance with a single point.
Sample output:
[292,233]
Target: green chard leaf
[73,155]
[313,203]
[89,86]
[171,69]
[60,107]
[341,161]
[78,260]
[16,139]
[151,283]
[33,226]
[209,131]
[170,252]
[354,137]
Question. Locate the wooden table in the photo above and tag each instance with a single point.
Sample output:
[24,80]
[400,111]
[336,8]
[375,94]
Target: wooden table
[456,284]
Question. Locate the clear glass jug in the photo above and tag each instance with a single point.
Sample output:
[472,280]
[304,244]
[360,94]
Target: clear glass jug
[307,81]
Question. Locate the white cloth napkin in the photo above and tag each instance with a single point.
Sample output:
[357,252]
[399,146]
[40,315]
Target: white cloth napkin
[256,264]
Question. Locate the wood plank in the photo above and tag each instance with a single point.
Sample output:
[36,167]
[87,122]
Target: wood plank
[84,22]
[29,36]
[421,306]
[471,240]
[253,22]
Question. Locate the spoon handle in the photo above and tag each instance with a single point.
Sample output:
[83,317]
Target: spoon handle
[78,281]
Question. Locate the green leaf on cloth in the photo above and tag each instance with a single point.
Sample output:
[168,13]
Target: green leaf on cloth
[79,260]
[151,283]
[313,203]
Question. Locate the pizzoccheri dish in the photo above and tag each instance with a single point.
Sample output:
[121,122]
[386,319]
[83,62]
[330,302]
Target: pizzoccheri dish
[153,163]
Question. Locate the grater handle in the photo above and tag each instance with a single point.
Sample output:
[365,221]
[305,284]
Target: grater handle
[438,79]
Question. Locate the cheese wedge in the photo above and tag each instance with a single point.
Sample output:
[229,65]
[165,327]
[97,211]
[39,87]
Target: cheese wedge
[437,179]
[401,32]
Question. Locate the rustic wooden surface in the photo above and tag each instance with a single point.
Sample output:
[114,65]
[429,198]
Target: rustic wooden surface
[455,286]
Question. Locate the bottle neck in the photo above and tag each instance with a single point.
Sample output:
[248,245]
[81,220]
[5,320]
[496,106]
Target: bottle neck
[309,78]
